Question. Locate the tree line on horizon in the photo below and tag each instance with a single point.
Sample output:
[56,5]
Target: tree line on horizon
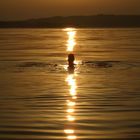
[76,21]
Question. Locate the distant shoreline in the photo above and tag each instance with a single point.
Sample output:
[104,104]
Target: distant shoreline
[95,21]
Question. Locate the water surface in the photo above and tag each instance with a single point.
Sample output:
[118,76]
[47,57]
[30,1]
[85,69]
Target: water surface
[39,99]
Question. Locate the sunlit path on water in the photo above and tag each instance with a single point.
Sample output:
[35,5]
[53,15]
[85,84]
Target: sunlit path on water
[71,42]
[71,103]
[71,82]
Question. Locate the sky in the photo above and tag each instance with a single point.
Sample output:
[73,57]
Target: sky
[26,9]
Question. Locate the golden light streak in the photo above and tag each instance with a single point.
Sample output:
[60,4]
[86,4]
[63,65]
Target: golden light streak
[71,103]
[70,118]
[70,110]
[71,137]
[69,131]
[72,83]
[69,29]
[74,97]
[71,80]
[71,32]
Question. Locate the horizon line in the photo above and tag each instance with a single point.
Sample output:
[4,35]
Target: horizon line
[47,17]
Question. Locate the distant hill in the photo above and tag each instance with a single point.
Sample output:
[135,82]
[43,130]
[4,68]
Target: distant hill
[104,21]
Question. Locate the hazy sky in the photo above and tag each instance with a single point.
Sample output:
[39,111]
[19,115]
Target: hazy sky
[24,9]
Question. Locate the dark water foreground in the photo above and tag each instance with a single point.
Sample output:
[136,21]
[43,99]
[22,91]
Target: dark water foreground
[39,99]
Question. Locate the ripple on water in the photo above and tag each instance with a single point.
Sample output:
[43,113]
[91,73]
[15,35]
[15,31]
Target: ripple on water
[83,67]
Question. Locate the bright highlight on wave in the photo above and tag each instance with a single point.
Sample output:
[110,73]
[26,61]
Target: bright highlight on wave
[70,110]
[71,137]
[69,131]
[71,103]
[72,83]
[70,118]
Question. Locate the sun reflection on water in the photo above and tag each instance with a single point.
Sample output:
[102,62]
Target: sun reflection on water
[72,137]
[71,103]
[71,81]
[71,32]
[69,131]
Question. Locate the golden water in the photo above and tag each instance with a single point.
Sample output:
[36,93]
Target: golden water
[39,99]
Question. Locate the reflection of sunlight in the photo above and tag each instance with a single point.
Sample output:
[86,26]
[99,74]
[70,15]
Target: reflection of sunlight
[69,29]
[71,103]
[71,110]
[65,67]
[78,62]
[71,39]
[72,137]
[74,97]
[71,81]
[70,118]
[73,92]
[69,131]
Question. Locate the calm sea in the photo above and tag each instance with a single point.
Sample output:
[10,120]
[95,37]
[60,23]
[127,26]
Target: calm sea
[40,100]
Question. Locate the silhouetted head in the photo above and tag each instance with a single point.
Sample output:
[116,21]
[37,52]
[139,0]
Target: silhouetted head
[71,59]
